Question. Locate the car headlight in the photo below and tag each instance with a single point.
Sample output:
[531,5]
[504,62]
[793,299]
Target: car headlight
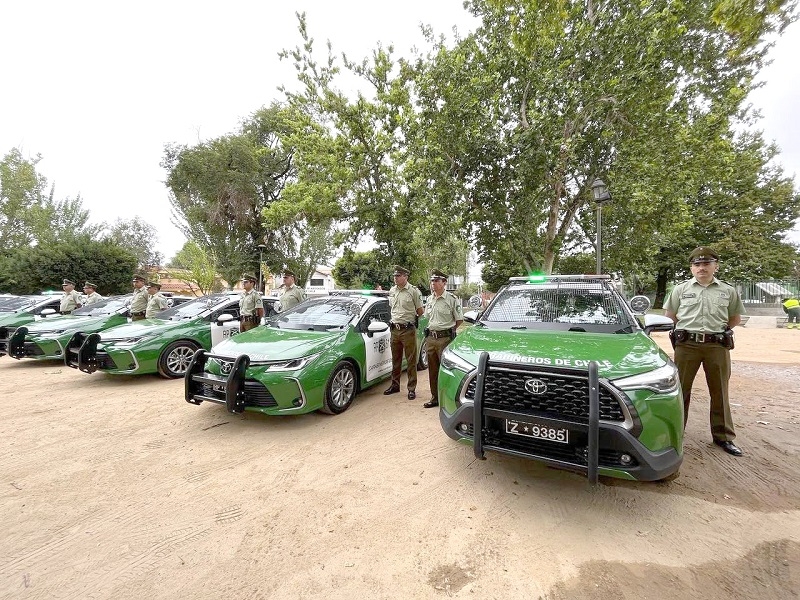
[662,380]
[451,360]
[293,364]
[124,342]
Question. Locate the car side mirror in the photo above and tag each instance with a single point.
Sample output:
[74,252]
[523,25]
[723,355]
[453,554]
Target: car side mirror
[224,318]
[377,327]
[471,316]
[47,312]
[657,323]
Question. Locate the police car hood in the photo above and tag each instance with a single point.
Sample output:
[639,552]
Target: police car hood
[61,323]
[140,328]
[617,355]
[268,343]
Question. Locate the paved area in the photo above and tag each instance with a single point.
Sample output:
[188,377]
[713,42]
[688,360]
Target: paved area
[758,322]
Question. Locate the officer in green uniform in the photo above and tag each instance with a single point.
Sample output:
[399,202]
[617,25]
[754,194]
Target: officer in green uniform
[405,304]
[251,306]
[90,291]
[705,309]
[71,299]
[444,313]
[792,309]
[156,302]
[292,295]
[139,299]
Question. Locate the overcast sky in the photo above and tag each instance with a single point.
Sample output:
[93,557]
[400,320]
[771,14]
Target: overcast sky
[98,88]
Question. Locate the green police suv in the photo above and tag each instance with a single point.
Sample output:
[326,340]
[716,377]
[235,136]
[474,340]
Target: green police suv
[559,369]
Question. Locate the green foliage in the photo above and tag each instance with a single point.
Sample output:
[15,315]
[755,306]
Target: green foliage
[467,290]
[139,237]
[363,270]
[32,270]
[192,265]
[220,188]
[28,216]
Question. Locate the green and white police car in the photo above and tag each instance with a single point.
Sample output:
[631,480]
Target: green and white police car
[560,370]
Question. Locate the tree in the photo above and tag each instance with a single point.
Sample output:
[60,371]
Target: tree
[193,266]
[524,114]
[31,270]
[140,238]
[220,187]
[363,270]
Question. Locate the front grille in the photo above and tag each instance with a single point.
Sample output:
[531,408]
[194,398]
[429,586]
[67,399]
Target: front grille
[32,349]
[104,361]
[255,393]
[566,397]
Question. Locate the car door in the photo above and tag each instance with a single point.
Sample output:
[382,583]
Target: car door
[377,346]
[227,329]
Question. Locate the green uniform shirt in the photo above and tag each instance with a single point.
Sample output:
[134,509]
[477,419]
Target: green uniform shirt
[404,303]
[249,303]
[70,301]
[291,297]
[92,298]
[155,304]
[139,300]
[443,311]
[704,309]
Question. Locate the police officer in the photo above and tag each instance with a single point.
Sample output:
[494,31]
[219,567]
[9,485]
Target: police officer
[139,299]
[71,299]
[251,306]
[444,314]
[292,295]
[405,303]
[90,291]
[703,309]
[156,302]
[792,309]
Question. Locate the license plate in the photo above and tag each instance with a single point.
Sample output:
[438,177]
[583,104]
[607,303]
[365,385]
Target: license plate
[538,431]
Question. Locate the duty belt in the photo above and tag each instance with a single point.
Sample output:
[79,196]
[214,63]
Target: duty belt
[401,325]
[445,333]
[705,338]
[249,318]
[137,314]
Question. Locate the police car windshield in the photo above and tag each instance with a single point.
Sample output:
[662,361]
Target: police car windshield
[193,309]
[109,306]
[321,314]
[14,303]
[572,304]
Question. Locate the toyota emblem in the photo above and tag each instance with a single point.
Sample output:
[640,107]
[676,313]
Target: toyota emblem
[535,386]
[225,366]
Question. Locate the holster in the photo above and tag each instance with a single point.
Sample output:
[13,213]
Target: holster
[676,336]
[728,339]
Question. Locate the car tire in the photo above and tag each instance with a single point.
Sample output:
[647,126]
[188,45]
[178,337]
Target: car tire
[340,389]
[175,359]
[422,363]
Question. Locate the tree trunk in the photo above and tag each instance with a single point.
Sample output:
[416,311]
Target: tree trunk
[661,287]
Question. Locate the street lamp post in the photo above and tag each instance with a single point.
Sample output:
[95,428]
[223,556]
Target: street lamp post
[260,263]
[601,197]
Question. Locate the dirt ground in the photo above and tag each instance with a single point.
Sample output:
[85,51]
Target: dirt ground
[114,487]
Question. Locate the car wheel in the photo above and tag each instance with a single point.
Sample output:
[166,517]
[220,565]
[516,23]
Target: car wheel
[175,359]
[422,363]
[340,390]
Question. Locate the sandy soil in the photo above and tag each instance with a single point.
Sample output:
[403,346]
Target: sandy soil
[114,487]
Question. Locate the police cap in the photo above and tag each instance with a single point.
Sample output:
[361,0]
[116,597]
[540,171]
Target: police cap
[248,277]
[437,274]
[139,278]
[89,284]
[703,254]
[67,282]
[398,270]
[288,273]
[154,284]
